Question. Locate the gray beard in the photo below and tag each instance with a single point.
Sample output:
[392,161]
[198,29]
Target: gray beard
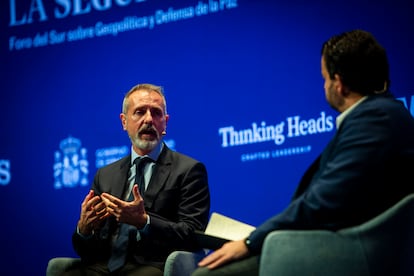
[144,144]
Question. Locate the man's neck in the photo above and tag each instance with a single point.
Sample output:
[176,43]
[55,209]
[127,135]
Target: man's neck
[351,99]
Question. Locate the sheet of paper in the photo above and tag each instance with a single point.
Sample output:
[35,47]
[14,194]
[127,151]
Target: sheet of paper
[227,228]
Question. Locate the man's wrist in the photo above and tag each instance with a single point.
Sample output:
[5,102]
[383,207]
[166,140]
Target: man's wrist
[146,226]
[247,243]
[82,235]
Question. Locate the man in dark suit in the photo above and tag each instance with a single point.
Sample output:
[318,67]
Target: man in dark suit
[173,202]
[366,167]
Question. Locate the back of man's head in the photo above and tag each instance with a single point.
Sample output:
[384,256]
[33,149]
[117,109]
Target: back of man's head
[359,60]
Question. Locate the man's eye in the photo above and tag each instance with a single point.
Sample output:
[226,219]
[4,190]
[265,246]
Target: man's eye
[157,113]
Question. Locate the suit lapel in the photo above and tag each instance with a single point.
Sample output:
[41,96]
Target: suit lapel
[119,190]
[159,176]
[120,175]
[307,177]
[314,168]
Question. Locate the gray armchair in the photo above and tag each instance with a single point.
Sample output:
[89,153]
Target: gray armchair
[382,246]
[179,263]
[182,263]
[56,266]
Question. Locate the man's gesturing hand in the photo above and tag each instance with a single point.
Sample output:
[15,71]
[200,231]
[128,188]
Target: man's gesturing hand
[130,212]
[93,212]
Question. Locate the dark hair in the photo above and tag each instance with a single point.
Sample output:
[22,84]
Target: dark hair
[359,60]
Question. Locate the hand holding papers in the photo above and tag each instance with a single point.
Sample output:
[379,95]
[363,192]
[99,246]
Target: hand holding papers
[221,229]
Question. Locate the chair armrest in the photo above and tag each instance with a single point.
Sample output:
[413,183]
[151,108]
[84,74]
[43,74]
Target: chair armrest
[182,263]
[311,252]
[56,266]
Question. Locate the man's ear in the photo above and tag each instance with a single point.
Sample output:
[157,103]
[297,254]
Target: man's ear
[340,88]
[123,120]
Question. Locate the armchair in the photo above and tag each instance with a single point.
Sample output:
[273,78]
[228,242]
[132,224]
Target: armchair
[383,245]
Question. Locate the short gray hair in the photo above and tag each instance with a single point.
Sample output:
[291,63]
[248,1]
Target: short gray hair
[147,87]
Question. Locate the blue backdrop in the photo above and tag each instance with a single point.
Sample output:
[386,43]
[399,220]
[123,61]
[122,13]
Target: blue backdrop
[243,85]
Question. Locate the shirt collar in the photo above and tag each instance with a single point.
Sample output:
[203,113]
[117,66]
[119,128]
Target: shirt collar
[342,116]
[153,154]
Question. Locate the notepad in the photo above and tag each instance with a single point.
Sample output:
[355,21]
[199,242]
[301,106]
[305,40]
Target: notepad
[221,229]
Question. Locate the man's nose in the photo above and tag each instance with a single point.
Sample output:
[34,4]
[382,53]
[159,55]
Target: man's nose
[148,117]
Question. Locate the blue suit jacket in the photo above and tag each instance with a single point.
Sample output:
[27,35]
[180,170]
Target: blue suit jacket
[177,200]
[366,168]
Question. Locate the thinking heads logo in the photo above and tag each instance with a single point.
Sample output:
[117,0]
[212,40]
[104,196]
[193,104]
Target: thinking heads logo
[71,165]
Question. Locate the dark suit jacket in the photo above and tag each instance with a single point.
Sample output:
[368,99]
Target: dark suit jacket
[177,200]
[366,168]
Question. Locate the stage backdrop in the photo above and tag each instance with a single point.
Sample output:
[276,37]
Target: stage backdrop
[242,80]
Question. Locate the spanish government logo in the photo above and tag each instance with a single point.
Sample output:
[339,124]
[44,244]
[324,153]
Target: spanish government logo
[71,164]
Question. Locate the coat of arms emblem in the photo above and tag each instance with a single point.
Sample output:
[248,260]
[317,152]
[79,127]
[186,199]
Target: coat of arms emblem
[71,164]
